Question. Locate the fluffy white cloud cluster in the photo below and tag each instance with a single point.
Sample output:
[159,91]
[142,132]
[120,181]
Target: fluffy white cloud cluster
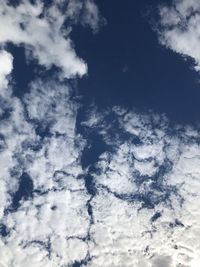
[43,31]
[179,28]
[48,229]
[85,12]
[145,209]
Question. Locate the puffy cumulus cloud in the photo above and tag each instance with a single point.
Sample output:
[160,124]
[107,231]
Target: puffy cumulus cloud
[44,31]
[179,28]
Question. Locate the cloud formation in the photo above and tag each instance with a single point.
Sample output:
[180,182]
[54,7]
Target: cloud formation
[179,28]
[146,209]
[135,205]
[43,204]
[86,13]
[45,31]
[6,65]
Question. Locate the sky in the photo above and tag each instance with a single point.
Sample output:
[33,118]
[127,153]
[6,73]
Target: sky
[99,133]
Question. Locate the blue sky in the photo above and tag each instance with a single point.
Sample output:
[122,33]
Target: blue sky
[154,77]
[127,65]
[99,133]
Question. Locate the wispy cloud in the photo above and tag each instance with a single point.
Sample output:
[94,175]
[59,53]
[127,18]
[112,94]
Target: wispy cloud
[38,139]
[143,210]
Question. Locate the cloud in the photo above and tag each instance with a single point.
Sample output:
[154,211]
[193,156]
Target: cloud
[145,212]
[6,65]
[53,217]
[44,32]
[91,15]
[143,209]
[49,105]
[85,12]
[178,28]
[14,130]
[135,205]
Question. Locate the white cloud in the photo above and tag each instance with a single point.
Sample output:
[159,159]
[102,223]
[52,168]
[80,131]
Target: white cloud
[179,28]
[14,130]
[149,221]
[58,214]
[86,12]
[145,211]
[49,104]
[6,65]
[119,181]
[91,15]
[44,34]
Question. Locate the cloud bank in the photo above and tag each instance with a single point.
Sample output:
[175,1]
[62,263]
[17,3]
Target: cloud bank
[6,65]
[179,28]
[136,205]
[139,209]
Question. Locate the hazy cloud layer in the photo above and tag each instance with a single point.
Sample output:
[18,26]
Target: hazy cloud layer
[179,28]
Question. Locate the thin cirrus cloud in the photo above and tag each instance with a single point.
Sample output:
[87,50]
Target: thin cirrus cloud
[141,206]
[178,28]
